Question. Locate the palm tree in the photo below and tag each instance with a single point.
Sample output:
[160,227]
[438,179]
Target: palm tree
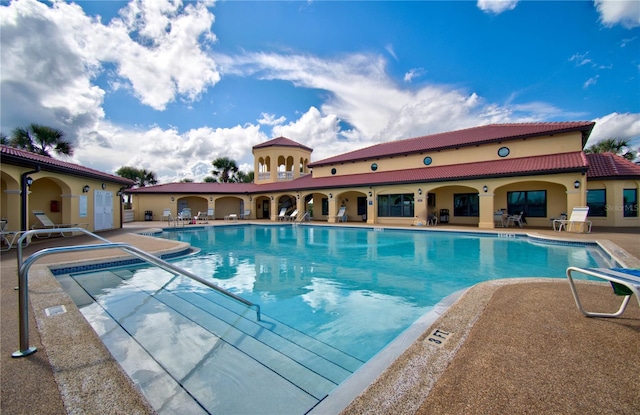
[4,140]
[141,177]
[243,177]
[619,146]
[225,169]
[41,139]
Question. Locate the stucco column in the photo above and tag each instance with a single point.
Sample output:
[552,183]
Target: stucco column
[371,208]
[332,210]
[486,211]
[11,214]
[274,209]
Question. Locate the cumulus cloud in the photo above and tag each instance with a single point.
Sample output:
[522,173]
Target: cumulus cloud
[623,12]
[615,125]
[496,6]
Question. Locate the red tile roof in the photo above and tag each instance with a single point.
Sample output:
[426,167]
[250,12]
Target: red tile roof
[18,157]
[281,142]
[553,163]
[461,138]
[198,188]
[611,166]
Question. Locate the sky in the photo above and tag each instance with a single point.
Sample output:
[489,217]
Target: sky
[170,86]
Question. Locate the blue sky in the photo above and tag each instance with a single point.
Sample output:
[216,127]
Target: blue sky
[170,86]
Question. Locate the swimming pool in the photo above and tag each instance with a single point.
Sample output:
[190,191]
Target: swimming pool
[331,297]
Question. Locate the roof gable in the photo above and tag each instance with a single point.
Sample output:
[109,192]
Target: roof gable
[281,142]
[461,138]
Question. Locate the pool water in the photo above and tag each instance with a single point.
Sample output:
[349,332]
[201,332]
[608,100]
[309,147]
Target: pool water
[331,298]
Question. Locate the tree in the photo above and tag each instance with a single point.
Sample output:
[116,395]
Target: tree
[224,169]
[619,146]
[244,177]
[186,180]
[41,139]
[141,177]
[4,140]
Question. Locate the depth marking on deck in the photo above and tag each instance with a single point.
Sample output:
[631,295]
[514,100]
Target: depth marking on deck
[437,337]
[52,311]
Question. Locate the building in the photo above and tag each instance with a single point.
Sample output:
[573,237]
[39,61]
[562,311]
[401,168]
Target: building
[67,193]
[460,177]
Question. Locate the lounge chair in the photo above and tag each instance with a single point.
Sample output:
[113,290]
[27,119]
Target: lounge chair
[293,216]
[342,215]
[233,217]
[513,219]
[281,215]
[432,220]
[46,223]
[625,282]
[246,214]
[9,238]
[578,218]
[184,216]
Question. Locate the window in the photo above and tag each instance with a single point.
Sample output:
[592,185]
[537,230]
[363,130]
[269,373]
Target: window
[374,166]
[466,204]
[503,151]
[597,202]
[325,206]
[427,161]
[630,199]
[532,202]
[396,206]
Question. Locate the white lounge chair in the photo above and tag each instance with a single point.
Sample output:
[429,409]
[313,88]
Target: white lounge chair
[46,223]
[293,216]
[625,282]
[246,214]
[9,238]
[184,216]
[578,218]
[342,214]
[281,215]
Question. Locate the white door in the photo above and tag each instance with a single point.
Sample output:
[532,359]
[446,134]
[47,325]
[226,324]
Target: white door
[103,208]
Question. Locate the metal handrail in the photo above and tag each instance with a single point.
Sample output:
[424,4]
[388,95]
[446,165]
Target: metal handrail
[23,270]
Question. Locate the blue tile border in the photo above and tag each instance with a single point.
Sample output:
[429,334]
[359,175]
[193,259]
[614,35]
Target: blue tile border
[115,263]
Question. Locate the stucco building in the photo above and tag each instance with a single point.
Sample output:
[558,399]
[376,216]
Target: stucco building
[460,177]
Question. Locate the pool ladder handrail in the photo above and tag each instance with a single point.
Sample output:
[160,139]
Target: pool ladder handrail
[24,266]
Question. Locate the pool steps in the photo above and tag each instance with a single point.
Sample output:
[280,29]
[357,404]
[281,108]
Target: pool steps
[212,332]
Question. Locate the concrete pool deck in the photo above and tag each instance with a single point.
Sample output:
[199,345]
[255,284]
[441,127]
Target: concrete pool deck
[511,346]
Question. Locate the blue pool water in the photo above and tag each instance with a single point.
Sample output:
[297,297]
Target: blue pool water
[331,297]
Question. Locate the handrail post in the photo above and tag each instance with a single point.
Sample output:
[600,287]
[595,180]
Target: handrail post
[23,317]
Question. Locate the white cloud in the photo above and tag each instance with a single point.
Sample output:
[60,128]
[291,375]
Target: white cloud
[580,59]
[270,119]
[591,81]
[615,125]
[413,73]
[623,12]
[496,6]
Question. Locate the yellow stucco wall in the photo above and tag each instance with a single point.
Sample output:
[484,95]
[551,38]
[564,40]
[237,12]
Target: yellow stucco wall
[49,190]
[537,146]
[293,159]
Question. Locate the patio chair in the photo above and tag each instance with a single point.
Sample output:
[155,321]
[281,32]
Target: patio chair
[184,216]
[281,215]
[625,282]
[513,219]
[578,218]
[432,219]
[47,223]
[293,216]
[342,214]
[246,214]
